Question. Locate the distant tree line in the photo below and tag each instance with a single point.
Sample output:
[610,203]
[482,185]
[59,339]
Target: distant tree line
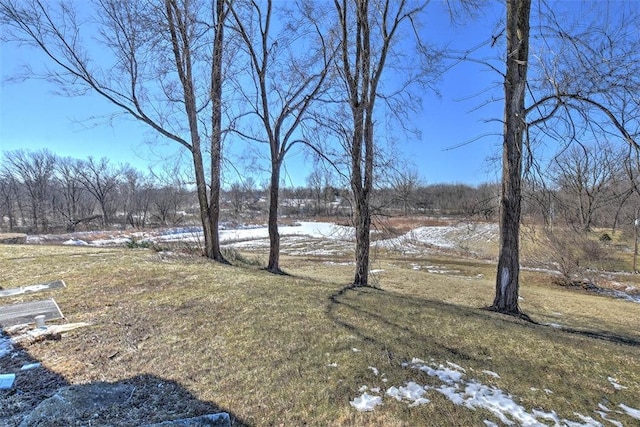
[584,188]
[41,192]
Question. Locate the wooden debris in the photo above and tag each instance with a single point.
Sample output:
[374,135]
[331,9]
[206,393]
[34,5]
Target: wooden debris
[51,332]
[56,284]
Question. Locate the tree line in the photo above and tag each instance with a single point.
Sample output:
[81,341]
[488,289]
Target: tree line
[582,189]
[43,192]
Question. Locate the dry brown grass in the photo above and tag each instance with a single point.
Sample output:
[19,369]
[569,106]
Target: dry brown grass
[259,345]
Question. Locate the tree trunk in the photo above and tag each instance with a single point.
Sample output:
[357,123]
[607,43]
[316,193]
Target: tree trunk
[274,236]
[216,135]
[203,203]
[105,216]
[363,236]
[361,184]
[507,281]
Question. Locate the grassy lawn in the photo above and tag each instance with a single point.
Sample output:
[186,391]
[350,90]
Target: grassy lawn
[295,350]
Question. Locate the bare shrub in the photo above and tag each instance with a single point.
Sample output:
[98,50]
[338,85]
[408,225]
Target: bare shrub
[579,256]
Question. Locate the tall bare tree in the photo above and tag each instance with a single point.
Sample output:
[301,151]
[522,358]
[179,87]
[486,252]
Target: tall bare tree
[584,79]
[72,206]
[367,33]
[585,177]
[101,180]
[8,198]
[135,196]
[167,71]
[289,61]
[515,82]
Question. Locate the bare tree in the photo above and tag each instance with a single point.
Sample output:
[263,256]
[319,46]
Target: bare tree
[288,68]
[73,206]
[166,71]
[170,196]
[237,198]
[585,177]
[166,203]
[517,33]
[319,182]
[136,192]
[585,77]
[34,170]
[367,32]
[9,193]
[405,184]
[101,180]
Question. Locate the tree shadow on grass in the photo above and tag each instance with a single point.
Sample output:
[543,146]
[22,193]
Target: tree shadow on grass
[603,335]
[384,319]
[40,396]
[378,325]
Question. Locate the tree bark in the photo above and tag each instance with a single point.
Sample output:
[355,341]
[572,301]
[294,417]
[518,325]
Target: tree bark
[507,281]
[362,186]
[203,203]
[363,236]
[273,265]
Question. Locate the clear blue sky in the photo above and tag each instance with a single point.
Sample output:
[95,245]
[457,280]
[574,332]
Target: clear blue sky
[32,116]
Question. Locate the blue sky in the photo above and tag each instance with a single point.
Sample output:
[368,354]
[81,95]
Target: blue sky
[32,116]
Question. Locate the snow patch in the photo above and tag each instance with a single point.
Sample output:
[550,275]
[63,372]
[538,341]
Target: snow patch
[366,402]
[473,394]
[554,325]
[491,374]
[615,384]
[605,417]
[75,242]
[632,412]
[5,346]
[412,392]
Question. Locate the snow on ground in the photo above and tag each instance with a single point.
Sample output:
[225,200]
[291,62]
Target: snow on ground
[366,402]
[323,230]
[473,394]
[5,345]
[619,294]
[632,412]
[435,236]
[615,384]
[445,237]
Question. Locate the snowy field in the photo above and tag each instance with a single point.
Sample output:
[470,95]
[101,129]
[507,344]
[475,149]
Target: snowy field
[295,239]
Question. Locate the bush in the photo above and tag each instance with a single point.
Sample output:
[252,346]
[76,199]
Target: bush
[143,244]
[578,256]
